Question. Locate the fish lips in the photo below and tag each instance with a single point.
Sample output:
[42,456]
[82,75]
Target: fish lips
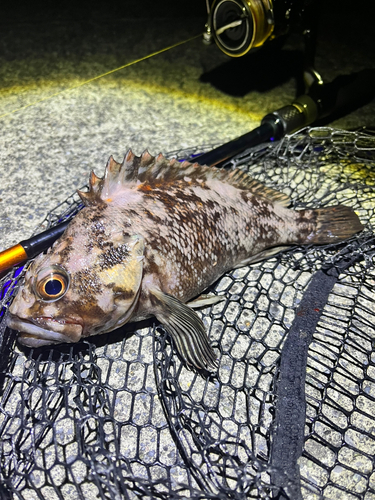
[46,331]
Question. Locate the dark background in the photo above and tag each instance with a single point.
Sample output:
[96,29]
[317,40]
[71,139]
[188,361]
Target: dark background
[346,40]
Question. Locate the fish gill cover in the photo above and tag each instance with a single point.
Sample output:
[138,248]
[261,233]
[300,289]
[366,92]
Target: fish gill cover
[290,411]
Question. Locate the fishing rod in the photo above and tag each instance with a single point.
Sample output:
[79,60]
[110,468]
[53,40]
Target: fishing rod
[337,98]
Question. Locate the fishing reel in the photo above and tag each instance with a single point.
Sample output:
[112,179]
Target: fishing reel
[238,26]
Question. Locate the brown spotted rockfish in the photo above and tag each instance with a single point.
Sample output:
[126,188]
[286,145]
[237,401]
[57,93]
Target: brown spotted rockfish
[153,235]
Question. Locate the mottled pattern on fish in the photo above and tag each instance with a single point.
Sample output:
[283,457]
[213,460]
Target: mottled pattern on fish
[154,234]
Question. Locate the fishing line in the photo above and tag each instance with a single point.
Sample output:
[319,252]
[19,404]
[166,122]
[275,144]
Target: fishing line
[101,76]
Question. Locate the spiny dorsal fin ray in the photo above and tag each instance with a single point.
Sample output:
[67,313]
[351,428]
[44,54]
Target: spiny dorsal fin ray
[92,196]
[89,198]
[111,178]
[135,170]
[95,182]
[85,197]
[129,167]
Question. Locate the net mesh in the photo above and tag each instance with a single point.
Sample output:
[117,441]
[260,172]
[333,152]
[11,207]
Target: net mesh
[119,415]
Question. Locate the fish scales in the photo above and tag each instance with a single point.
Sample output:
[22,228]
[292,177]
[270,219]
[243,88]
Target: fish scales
[155,234]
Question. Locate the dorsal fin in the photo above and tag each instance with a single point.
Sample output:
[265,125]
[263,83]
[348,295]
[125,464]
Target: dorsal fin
[92,196]
[170,170]
[111,177]
[136,170]
[129,167]
[243,180]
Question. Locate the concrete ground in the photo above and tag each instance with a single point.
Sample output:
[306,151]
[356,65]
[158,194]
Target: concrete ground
[188,96]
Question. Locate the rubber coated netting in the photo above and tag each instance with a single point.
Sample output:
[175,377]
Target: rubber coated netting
[290,411]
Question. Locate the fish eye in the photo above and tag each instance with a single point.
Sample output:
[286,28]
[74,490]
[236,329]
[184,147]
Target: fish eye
[52,283]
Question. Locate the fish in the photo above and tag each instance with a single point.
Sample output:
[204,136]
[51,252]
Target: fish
[153,235]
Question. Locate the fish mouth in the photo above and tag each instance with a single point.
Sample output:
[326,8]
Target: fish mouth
[45,331]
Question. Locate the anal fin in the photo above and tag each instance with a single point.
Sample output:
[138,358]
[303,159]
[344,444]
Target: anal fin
[264,254]
[186,329]
[205,300]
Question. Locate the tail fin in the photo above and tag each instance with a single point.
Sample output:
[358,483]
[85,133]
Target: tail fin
[335,224]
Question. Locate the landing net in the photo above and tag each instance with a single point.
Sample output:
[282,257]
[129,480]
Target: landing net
[119,416]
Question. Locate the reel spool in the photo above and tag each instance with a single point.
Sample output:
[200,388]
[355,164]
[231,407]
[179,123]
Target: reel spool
[237,26]
[240,25]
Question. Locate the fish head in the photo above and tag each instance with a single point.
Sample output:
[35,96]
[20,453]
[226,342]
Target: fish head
[87,283]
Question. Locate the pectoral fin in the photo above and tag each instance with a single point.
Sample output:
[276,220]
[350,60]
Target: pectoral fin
[186,329]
